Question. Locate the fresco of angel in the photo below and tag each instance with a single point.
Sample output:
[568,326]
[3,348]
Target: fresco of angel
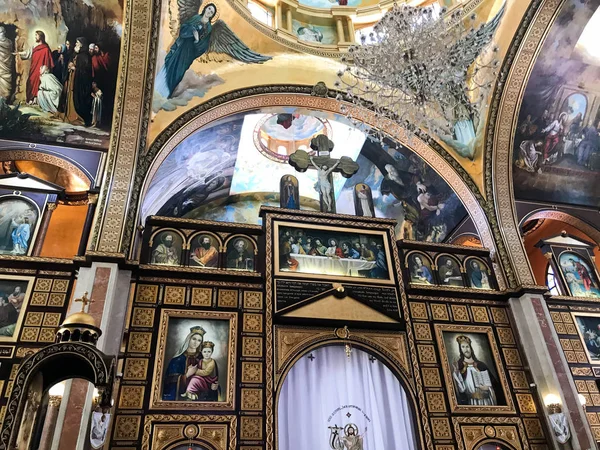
[200,33]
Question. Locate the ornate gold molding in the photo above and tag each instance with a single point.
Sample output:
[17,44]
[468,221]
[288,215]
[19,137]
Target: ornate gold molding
[167,429]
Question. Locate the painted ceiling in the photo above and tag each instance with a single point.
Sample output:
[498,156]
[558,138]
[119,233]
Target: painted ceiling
[557,144]
[227,170]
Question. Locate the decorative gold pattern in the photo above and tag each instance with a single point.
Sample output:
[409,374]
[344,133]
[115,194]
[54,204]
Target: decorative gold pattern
[60,285]
[227,298]
[39,299]
[518,379]
[127,428]
[135,369]
[34,319]
[252,323]
[582,371]
[147,293]
[252,346]
[418,310]
[512,357]
[29,334]
[446,367]
[526,403]
[51,320]
[460,313]
[202,297]
[439,312]
[142,317]
[480,314]
[252,372]
[422,332]
[139,342]
[253,300]
[132,397]
[426,353]
[43,285]
[174,295]
[435,402]
[252,399]
[57,300]
[251,428]
[441,428]
[23,352]
[431,377]
[47,335]
[228,403]
[499,315]
[505,336]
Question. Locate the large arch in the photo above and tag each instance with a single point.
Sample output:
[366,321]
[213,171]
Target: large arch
[466,191]
[569,219]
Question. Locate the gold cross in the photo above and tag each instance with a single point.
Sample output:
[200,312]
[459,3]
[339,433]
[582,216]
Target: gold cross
[84,301]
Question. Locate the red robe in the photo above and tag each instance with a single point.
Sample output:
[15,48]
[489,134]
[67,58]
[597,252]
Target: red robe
[40,56]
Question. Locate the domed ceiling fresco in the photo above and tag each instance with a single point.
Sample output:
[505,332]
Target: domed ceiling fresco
[557,144]
[225,172]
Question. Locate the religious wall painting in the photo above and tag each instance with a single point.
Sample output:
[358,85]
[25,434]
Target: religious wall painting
[289,193]
[420,268]
[19,220]
[240,253]
[8,167]
[195,362]
[58,71]
[363,200]
[557,142]
[475,379]
[309,32]
[204,250]
[579,275]
[478,273]
[14,297]
[316,251]
[588,327]
[449,271]
[166,248]
[196,35]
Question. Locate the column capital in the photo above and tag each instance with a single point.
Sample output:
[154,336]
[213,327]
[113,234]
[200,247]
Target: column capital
[54,400]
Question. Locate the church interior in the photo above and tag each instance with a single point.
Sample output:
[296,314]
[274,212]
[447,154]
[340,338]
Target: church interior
[299,224]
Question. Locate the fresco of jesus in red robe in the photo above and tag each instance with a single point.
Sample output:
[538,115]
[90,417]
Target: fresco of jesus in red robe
[40,55]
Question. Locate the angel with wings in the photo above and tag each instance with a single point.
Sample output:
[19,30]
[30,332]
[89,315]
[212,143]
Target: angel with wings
[200,33]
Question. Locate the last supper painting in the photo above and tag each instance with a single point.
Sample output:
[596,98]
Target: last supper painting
[333,252]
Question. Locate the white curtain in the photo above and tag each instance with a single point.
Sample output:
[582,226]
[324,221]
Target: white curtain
[326,389]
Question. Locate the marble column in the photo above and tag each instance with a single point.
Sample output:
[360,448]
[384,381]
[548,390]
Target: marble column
[288,15]
[549,367]
[340,29]
[89,220]
[279,15]
[351,31]
[39,242]
[109,289]
[50,422]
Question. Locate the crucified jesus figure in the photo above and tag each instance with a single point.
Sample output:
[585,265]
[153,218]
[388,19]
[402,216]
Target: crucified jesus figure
[324,181]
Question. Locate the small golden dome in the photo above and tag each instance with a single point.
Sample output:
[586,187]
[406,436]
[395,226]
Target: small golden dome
[80,318]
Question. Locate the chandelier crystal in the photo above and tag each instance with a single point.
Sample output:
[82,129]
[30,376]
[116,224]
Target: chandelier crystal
[420,68]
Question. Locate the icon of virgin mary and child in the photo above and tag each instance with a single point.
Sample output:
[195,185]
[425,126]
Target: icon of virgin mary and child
[192,374]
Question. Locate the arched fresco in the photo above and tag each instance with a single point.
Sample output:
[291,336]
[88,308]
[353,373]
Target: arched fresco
[228,159]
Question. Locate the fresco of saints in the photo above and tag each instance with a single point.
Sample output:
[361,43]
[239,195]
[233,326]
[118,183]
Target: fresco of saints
[165,253]
[7,66]
[474,382]
[199,34]
[21,235]
[239,257]
[205,255]
[188,357]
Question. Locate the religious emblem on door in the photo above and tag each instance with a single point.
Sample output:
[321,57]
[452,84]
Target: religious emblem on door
[351,432]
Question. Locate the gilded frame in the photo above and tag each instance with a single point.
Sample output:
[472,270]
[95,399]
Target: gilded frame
[586,314]
[156,401]
[509,408]
[23,311]
[324,277]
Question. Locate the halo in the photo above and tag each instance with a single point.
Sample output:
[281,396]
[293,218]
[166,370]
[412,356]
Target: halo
[353,426]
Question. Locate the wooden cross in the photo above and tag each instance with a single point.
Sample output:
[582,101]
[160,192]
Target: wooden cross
[325,166]
[85,300]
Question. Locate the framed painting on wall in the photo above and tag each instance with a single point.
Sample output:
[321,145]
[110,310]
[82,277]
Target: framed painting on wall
[420,268]
[475,380]
[336,253]
[19,221]
[579,275]
[195,360]
[14,297]
[166,247]
[588,327]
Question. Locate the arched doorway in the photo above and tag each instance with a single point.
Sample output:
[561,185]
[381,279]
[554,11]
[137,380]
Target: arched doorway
[344,401]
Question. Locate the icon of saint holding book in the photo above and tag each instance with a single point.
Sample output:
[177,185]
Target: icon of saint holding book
[474,383]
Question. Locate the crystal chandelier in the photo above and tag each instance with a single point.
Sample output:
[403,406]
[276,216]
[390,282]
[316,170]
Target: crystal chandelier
[420,69]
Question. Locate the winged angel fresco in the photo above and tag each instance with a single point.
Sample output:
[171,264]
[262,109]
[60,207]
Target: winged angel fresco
[200,34]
